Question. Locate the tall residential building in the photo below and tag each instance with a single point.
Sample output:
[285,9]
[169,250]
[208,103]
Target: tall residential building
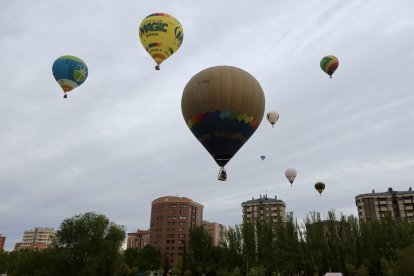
[400,204]
[2,242]
[217,232]
[138,239]
[171,220]
[37,238]
[263,209]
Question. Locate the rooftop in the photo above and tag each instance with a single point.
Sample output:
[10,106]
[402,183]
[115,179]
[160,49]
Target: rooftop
[390,192]
[263,200]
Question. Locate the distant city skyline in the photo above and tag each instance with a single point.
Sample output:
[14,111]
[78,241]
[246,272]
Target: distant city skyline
[369,206]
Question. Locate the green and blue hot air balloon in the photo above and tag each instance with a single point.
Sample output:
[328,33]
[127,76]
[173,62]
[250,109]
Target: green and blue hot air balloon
[69,72]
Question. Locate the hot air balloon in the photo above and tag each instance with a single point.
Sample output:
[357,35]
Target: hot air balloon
[329,64]
[69,72]
[263,157]
[291,175]
[161,35]
[272,117]
[223,106]
[320,186]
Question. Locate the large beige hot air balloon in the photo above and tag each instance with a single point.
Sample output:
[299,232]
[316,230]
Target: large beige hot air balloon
[223,106]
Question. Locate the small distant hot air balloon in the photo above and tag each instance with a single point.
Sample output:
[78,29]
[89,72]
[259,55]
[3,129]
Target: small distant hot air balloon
[223,106]
[272,117]
[263,157]
[161,35]
[329,64]
[320,186]
[69,72]
[291,175]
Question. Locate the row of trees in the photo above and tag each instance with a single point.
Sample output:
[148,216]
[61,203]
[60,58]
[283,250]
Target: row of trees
[345,244]
[87,244]
[90,244]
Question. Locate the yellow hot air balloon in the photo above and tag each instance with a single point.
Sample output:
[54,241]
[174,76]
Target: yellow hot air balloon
[161,35]
[223,106]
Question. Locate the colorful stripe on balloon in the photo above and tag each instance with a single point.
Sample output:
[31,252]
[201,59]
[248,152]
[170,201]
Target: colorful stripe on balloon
[223,115]
[222,133]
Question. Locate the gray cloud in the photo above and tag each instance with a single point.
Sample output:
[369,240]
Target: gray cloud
[119,141]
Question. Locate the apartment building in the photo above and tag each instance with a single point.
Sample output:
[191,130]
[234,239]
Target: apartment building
[263,209]
[2,242]
[217,232]
[171,220]
[37,238]
[399,204]
[138,239]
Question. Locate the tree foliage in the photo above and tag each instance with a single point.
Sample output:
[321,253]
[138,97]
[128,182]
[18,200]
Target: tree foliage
[319,245]
[89,244]
[92,243]
[149,258]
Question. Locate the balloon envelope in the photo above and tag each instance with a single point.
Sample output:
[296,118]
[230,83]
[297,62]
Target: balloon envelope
[223,106]
[272,117]
[263,157]
[69,72]
[161,35]
[320,186]
[291,174]
[329,64]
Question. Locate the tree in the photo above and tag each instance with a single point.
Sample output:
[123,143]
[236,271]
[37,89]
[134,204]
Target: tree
[92,243]
[234,247]
[201,245]
[405,261]
[123,270]
[149,258]
[46,262]
[131,257]
[4,261]
[249,245]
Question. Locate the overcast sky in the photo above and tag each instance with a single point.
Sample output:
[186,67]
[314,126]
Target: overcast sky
[119,141]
